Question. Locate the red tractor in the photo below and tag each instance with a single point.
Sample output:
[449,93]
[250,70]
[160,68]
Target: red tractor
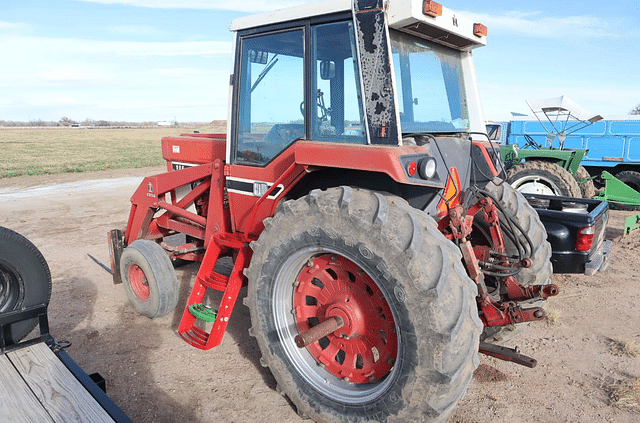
[360,199]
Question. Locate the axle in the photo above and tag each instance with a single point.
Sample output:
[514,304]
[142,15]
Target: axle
[318,332]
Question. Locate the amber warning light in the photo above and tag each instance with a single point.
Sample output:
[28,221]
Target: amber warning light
[431,8]
[480,30]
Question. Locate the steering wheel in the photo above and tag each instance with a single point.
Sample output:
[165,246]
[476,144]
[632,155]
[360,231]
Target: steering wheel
[531,143]
[325,111]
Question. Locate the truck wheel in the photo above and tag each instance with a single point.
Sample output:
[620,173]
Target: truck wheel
[149,278]
[408,347]
[540,271]
[546,178]
[631,178]
[25,280]
[587,188]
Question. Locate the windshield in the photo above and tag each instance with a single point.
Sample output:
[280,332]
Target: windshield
[431,94]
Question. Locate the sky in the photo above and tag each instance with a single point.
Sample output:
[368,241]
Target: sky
[160,60]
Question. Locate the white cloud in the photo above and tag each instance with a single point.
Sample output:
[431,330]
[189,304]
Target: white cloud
[22,45]
[180,72]
[499,99]
[60,101]
[13,25]
[80,76]
[137,30]
[241,6]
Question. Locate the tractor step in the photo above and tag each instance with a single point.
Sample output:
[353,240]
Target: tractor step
[207,278]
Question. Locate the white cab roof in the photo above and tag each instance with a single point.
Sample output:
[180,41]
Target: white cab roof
[292,13]
[404,15]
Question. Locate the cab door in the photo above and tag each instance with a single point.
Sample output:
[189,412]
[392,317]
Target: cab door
[297,83]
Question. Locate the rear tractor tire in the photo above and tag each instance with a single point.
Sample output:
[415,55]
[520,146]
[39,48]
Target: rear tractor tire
[545,178]
[409,344]
[149,278]
[587,188]
[25,280]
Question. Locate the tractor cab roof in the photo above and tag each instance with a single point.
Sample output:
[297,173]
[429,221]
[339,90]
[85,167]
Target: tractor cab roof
[422,18]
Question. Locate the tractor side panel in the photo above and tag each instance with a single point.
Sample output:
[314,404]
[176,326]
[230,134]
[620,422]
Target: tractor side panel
[193,149]
[246,185]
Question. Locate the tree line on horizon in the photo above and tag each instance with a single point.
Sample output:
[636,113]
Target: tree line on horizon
[67,122]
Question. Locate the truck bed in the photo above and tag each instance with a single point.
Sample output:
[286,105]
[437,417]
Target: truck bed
[563,218]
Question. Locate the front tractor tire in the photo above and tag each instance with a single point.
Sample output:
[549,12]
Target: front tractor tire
[546,178]
[149,279]
[409,344]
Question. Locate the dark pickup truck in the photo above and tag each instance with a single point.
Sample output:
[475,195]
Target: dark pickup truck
[576,231]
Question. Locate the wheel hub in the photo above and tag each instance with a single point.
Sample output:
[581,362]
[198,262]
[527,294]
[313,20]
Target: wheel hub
[11,288]
[365,347]
[138,282]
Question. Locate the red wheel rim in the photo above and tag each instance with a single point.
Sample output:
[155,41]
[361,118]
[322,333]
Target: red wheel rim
[138,282]
[365,348]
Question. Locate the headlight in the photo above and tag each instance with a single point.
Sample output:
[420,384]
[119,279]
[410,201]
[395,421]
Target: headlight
[427,168]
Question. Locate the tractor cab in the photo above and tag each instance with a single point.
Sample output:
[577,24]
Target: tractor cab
[321,72]
[317,83]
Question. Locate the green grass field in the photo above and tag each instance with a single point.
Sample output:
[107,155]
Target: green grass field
[54,151]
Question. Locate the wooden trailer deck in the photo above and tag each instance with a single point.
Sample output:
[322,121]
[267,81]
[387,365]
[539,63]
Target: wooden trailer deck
[35,386]
[40,382]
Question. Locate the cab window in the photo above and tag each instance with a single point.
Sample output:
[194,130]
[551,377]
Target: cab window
[271,94]
[337,112]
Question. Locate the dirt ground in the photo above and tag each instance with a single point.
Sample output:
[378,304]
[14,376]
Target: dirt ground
[154,376]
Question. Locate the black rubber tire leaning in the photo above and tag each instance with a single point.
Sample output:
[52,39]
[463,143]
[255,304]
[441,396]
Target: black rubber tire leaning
[149,279]
[537,176]
[415,270]
[587,188]
[631,178]
[25,280]
[514,203]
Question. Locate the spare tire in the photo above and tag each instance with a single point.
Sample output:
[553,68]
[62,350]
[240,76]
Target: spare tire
[25,280]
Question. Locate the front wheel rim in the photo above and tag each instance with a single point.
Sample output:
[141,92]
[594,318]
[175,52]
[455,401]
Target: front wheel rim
[138,282]
[355,364]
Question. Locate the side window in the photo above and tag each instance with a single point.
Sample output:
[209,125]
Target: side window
[270,112]
[337,110]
